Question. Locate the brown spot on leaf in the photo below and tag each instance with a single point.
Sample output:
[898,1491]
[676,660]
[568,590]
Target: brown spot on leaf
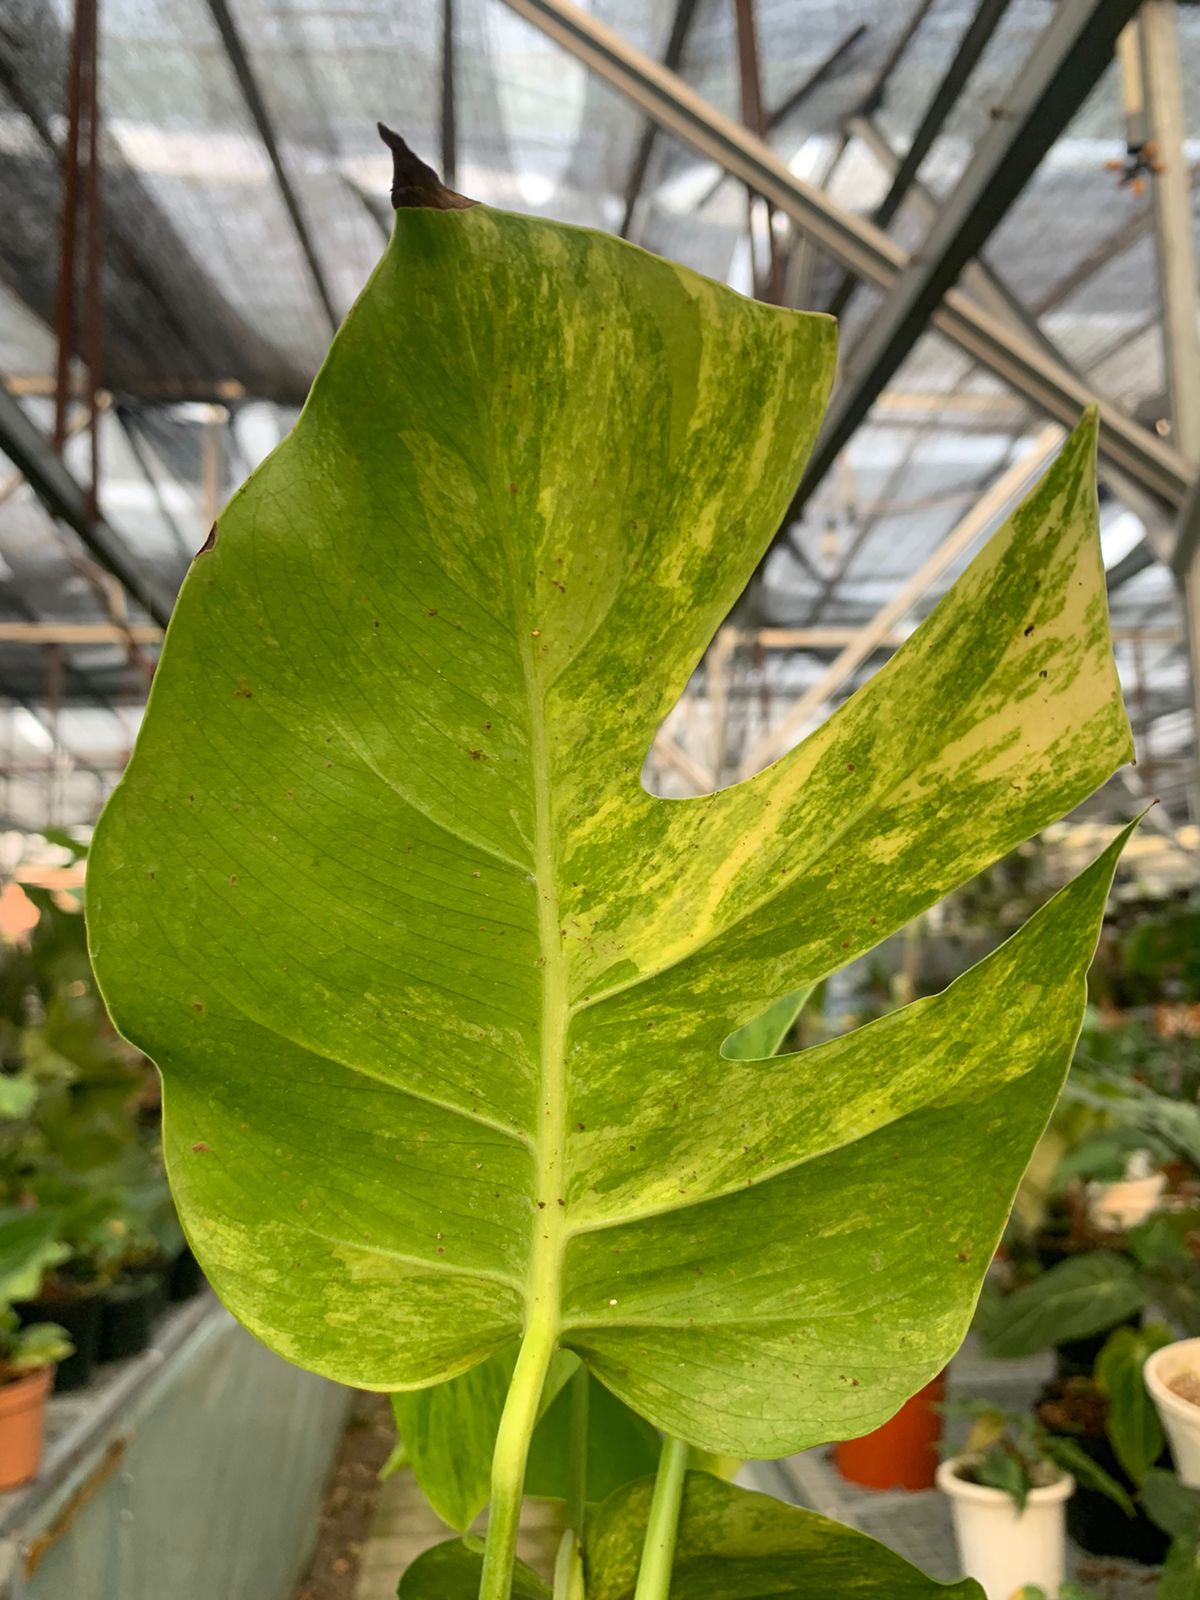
[200,1148]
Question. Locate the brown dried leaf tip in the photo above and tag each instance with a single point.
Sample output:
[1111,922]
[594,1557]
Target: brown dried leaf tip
[414,182]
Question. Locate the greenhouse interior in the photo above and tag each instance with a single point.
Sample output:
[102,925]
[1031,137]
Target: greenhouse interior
[530,528]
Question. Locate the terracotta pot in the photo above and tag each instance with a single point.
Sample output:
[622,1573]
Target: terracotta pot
[902,1454]
[23,1426]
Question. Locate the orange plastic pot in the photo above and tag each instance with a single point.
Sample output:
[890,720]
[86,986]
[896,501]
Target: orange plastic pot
[23,1426]
[903,1453]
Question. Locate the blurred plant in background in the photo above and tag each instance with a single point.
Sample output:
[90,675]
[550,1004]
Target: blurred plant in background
[80,1151]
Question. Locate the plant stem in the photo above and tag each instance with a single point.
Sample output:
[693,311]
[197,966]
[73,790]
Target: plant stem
[568,1569]
[576,1508]
[508,1463]
[658,1552]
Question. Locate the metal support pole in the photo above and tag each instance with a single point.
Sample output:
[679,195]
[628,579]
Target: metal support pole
[988,16]
[768,284]
[798,96]
[449,103]
[92,250]
[681,23]
[32,455]
[1163,96]
[257,107]
[998,300]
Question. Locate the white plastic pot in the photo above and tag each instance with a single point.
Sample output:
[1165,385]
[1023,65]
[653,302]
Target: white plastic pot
[1180,1417]
[1003,1548]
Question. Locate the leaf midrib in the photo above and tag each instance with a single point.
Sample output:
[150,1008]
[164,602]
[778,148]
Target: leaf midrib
[548,1208]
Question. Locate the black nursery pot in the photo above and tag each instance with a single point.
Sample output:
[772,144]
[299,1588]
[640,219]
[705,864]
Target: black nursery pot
[81,1319]
[185,1278]
[1103,1529]
[131,1308]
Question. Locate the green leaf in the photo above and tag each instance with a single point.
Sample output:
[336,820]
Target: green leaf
[1161,1241]
[620,1447]
[758,1040]
[449,1432]
[1180,1578]
[733,1544]
[1072,1458]
[998,1468]
[1133,1427]
[29,1247]
[1075,1298]
[1171,1505]
[40,1344]
[451,1571]
[17,1095]
[449,1437]
[439,992]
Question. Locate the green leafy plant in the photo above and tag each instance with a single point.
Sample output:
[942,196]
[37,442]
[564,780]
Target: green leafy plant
[28,1248]
[1175,1508]
[1013,1451]
[1132,1424]
[78,1143]
[446,1004]
[28,1349]
[1069,1591]
[1088,1293]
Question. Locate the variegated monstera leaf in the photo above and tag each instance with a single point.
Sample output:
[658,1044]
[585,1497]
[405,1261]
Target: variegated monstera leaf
[439,992]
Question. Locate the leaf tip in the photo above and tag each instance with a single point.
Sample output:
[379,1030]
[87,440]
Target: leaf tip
[414,182]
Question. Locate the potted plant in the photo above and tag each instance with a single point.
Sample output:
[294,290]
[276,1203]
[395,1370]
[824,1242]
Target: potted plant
[28,1355]
[1173,1380]
[1007,1498]
[1108,1418]
[1009,1490]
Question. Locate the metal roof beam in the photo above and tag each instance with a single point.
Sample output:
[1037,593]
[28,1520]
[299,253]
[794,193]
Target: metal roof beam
[681,22]
[962,537]
[1064,66]
[131,427]
[798,96]
[996,297]
[988,16]
[63,497]
[257,107]
[857,243]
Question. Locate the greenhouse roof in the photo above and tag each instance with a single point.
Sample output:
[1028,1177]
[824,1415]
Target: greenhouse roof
[245,194]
